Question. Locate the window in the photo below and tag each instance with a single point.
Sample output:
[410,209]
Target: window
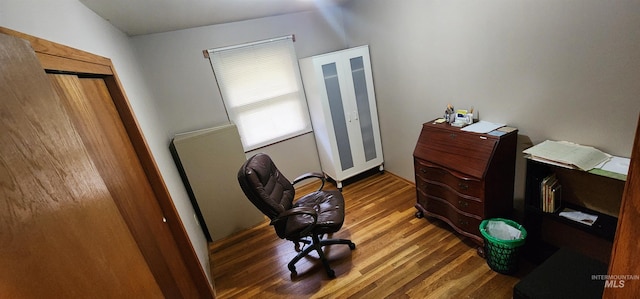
[262,90]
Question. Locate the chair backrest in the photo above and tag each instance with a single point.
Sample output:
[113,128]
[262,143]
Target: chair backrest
[266,188]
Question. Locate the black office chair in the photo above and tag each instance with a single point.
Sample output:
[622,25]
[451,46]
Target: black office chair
[307,220]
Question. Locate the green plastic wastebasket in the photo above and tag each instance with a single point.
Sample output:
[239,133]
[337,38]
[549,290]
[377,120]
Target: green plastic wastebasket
[502,255]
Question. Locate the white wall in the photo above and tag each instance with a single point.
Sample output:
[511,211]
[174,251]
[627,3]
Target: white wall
[560,70]
[184,85]
[70,23]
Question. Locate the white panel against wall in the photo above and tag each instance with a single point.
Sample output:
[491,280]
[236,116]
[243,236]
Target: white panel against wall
[210,159]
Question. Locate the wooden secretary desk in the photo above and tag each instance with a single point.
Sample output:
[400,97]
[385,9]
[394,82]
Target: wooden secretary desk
[464,177]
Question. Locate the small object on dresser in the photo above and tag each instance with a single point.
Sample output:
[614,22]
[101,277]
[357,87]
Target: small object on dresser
[461,118]
[449,115]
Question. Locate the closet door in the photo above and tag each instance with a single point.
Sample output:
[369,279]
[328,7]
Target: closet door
[624,256]
[80,217]
[62,233]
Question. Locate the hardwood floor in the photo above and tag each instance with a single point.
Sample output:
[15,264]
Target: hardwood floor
[397,255]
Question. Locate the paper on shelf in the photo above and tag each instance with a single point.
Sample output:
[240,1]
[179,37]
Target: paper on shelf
[578,216]
[616,164]
[567,154]
[482,127]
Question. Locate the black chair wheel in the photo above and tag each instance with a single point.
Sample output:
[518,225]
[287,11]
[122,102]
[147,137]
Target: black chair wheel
[331,273]
[293,270]
[352,246]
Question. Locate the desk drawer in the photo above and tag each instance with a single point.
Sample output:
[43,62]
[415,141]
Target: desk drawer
[434,174]
[463,223]
[464,203]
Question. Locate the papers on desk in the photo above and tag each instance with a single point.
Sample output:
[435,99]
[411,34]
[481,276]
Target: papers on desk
[567,154]
[482,127]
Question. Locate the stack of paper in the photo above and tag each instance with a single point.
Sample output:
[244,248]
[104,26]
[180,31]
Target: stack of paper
[567,154]
[578,216]
[482,127]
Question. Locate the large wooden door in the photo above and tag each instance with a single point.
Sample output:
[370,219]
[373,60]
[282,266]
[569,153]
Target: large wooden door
[79,216]
[624,267]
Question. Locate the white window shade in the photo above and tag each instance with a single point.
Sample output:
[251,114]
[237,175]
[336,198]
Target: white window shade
[262,91]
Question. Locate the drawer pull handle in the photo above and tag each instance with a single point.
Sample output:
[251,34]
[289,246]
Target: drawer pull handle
[424,170]
[453,136]
[463,203]
[463,186]
[463,222]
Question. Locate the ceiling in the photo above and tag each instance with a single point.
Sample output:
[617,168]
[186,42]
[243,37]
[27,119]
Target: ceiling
[137,17]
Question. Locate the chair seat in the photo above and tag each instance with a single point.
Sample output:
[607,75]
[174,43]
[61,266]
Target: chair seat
[330,208]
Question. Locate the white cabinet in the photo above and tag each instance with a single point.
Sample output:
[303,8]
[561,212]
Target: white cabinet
[342,105]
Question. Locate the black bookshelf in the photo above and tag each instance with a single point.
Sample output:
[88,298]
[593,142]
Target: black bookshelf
[603,228]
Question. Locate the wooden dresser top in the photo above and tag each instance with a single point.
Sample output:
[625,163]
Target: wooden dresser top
[466,152]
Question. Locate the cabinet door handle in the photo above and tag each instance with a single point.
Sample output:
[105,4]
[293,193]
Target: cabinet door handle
[463,203]
[463,186]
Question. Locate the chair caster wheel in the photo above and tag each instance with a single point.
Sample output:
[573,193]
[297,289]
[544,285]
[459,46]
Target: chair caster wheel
[331,273]
[352,246]
[419,215]
[293,270]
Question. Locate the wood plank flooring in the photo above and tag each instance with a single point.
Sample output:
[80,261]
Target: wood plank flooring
[397,255]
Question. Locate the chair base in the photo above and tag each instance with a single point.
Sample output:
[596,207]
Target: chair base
[317,245]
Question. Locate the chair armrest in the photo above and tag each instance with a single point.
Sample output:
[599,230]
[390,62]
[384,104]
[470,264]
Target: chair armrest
[298,211]
[310,175]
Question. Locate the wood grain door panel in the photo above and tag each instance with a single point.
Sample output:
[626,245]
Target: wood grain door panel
[626,247]
[38,179]
[96,118]
[61,234]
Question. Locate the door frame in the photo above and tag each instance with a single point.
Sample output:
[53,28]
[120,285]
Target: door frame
[60,58]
